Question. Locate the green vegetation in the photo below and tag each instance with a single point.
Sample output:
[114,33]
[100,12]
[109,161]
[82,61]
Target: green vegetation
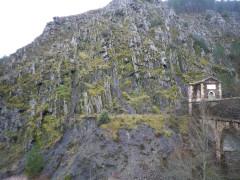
[63,91]
[199,44]
[179,123]
[49,131]
[95,89]
[11,154]
[68,177]
[218,52]
[137,99]
[174,33]
[135,67]
[235,55]
[159,122]
[183,124]
[34,162]
[12,135]
[191,5]
[122,54]
[126,68]
[226,77]
[203,61]
[155,110]
[225,15]
[235,50]
[103,118]
[91,64]
[172,93]
[5,89]
[156,21]
[167,133]
[192,76]
[195,65]
[169,95]
[17,102]
[227,6]
[155,121]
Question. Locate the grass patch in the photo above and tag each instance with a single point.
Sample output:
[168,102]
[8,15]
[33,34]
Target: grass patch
[103,118]
[10,155]
[167,133]
[179,123]
[68,177]
[204,61]
[125,121]
[95,89]
[183,124]
[137,100]
[17,102]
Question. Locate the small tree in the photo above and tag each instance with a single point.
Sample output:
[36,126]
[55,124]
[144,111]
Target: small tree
[34,162]
[103,118]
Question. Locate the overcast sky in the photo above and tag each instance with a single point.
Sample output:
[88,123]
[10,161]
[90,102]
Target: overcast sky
[23,20]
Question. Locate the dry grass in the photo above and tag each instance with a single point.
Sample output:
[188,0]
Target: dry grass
[126,121]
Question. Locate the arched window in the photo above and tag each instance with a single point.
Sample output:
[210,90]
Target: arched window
[211,95]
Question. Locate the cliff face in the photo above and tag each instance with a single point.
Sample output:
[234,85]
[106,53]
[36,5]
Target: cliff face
[88,153]
[130,57]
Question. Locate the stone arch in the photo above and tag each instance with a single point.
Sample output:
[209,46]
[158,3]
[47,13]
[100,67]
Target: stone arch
[230,139]
[230,144]
[226,128]
[219,129]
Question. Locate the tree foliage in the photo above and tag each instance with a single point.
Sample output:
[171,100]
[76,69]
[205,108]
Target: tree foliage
[223,6]
[191,5]
[202,5]
[103,118]
[34,162]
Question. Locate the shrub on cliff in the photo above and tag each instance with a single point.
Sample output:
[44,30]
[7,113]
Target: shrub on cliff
[103,118]
[34,162]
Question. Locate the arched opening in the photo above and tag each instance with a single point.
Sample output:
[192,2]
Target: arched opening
[230,140]
[211,95]
[230,146]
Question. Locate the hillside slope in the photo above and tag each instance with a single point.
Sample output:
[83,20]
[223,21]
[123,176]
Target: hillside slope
[131,57]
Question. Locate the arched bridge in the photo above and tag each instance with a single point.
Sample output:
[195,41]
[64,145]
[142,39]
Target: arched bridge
[218,125]
[220,115]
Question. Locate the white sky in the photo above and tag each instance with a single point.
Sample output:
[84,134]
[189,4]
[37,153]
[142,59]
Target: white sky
[21,21]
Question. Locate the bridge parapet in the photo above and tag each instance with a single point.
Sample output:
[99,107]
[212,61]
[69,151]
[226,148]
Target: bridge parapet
[227,108]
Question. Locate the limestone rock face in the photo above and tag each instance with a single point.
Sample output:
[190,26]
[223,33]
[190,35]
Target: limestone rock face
[10,122]
[85,152]
[140,49]
[132,56]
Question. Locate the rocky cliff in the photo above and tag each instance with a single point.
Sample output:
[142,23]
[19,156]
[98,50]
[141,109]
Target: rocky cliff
[131,57]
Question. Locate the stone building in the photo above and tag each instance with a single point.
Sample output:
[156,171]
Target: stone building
[208,89]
